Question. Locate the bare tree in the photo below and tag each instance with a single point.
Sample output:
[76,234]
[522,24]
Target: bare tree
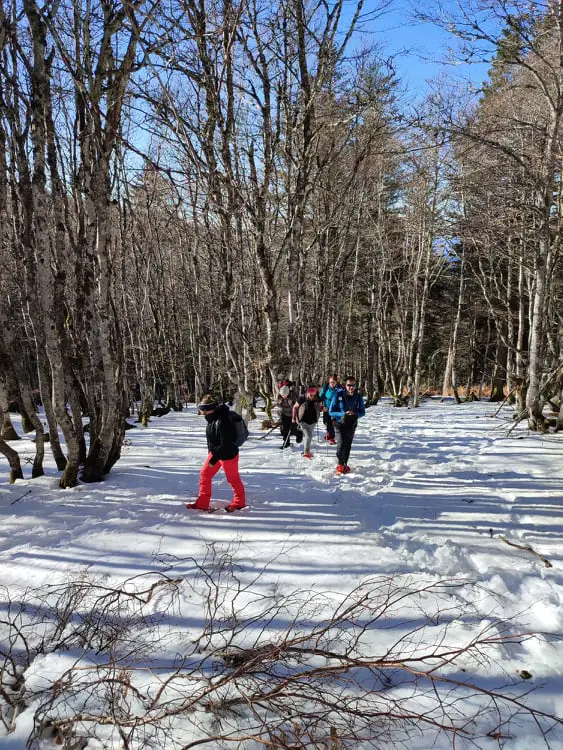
[516,127]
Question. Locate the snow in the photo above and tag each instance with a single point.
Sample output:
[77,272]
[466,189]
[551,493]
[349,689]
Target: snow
[433,494]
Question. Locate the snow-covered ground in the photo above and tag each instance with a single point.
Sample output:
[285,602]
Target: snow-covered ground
[435,494]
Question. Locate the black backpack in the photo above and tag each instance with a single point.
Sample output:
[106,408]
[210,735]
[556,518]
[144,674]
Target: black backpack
[241,430]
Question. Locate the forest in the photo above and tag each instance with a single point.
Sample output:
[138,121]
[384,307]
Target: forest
[199,195]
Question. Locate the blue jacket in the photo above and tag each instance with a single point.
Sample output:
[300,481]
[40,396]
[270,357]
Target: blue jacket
[342,402]
[327,394]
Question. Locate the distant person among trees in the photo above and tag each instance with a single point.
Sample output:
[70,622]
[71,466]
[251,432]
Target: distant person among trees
[286,401]
[223,452]
[346,407]
[306,414]
[326,395]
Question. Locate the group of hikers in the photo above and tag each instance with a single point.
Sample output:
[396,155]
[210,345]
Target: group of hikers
[340,405]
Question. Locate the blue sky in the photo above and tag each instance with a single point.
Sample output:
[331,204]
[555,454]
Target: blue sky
[422,47]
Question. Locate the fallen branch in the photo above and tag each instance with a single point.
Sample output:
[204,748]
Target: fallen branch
[321,679]
[528,548]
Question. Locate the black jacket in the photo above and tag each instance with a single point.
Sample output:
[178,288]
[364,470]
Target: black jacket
[221,434]
[309,410]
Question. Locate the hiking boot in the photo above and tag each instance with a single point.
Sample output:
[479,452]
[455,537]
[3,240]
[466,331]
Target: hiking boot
[307,455]
[346,469]
[341,469]
[331,441]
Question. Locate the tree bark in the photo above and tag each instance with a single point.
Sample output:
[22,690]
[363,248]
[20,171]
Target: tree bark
[13,460]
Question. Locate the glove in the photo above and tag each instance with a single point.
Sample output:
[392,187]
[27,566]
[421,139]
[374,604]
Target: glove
[213,461]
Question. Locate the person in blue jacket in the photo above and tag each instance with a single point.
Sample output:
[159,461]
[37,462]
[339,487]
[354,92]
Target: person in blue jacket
[346,407]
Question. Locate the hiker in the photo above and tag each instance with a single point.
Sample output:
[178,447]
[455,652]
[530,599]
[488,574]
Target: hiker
[326,395]
[306,414]
[223,452]
[346,407]
[285,404]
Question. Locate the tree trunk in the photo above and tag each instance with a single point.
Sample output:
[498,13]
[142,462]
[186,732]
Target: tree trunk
[37,470]
[498,382]
[45,387]
[534,400]
[52,308]
[13,460]
[7,430]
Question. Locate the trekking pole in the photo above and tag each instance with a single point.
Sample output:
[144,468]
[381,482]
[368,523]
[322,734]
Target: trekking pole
[285,442]
[263,437]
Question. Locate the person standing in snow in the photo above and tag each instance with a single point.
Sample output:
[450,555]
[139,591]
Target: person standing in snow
[285,404]
[346,407]
[326,395]
[306,414]
[223,453]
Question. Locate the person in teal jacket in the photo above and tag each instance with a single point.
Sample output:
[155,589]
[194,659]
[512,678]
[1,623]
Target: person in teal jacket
[326,395]
[346,407]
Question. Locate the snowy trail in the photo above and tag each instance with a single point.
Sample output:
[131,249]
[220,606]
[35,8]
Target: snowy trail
[432,492]
[420,480]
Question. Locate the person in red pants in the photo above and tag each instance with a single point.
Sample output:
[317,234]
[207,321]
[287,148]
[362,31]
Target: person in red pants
[223,453]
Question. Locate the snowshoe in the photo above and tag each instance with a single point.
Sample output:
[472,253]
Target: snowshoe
[232,507]
[194,506]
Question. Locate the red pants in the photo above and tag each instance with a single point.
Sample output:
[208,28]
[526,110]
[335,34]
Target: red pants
[230,467]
